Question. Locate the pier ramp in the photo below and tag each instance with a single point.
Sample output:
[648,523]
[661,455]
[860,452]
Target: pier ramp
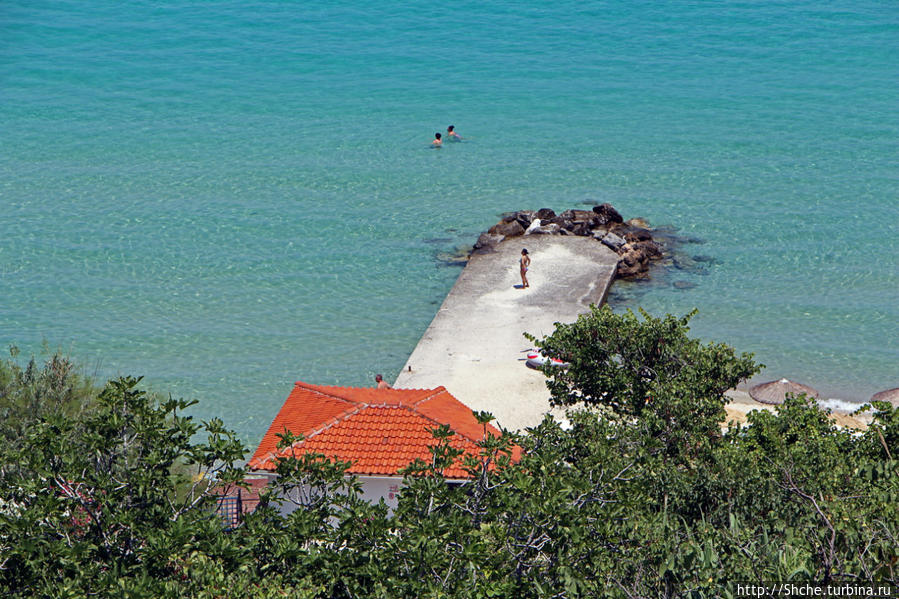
[475,345]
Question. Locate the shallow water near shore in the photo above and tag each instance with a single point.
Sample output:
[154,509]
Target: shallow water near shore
[228,198]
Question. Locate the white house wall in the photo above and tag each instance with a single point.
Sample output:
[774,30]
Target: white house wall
[374,488]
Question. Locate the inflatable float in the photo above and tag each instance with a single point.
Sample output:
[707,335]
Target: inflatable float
[536,360]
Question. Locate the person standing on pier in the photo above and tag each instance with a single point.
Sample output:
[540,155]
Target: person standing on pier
[524,262]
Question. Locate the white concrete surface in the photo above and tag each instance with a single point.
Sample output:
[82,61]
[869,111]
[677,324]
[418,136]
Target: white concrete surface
[475,345]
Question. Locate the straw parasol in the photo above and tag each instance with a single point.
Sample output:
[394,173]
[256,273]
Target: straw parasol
[775,392]
[890,395]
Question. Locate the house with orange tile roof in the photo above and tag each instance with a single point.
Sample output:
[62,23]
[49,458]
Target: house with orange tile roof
[378,431]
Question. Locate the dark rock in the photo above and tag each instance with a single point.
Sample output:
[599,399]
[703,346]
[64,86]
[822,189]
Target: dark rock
[629,271]
[633,241]
[564,224]
[650,249]
[636,249]
[634,233]
[580,216]
[485,243]
[550,229]
[706,259]
[630,258]
[508,229]
[525,217]
[634,261]
[581,221]
[581,228]
[587,216]
[607,214]
[522,216]
[612,241]
[683,285]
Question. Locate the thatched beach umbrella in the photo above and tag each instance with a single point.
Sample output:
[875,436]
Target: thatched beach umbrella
[890,395]
[775,392]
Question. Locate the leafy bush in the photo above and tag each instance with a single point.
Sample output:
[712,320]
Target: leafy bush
[635,499]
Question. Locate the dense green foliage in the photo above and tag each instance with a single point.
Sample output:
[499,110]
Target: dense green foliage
[33,393]
[648,371]
[634,499]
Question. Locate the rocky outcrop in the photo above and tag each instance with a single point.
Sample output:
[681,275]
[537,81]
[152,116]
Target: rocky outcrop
[612,241]
[485,243]
[632,240]
[634,234]
[607,214]
[511,228]
[550,229]
[635,258]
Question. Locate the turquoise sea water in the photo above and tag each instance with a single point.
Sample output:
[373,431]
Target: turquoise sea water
[227,197]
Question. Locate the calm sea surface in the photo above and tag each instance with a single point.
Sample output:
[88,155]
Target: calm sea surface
[228,197]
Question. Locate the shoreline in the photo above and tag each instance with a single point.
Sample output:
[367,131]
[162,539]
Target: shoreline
[741,404]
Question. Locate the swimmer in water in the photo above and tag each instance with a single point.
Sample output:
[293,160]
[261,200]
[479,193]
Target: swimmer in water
[524,263]
[451,133]
[437,141]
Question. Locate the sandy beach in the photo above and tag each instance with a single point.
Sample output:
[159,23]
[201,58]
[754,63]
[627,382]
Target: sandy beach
[740,404]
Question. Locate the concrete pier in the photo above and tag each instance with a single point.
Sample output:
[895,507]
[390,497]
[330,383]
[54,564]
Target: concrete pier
[475,345]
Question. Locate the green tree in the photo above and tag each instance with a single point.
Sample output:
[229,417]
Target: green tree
[39,390]
[609,506]
[90,501]
[647,370]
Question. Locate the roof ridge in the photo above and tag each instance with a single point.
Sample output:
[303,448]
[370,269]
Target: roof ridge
[355,409]
[436,391]
[346,393]
[334,420]
[318,389]
[455,431]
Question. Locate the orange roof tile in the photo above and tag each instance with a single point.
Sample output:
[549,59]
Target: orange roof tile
[379,431]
